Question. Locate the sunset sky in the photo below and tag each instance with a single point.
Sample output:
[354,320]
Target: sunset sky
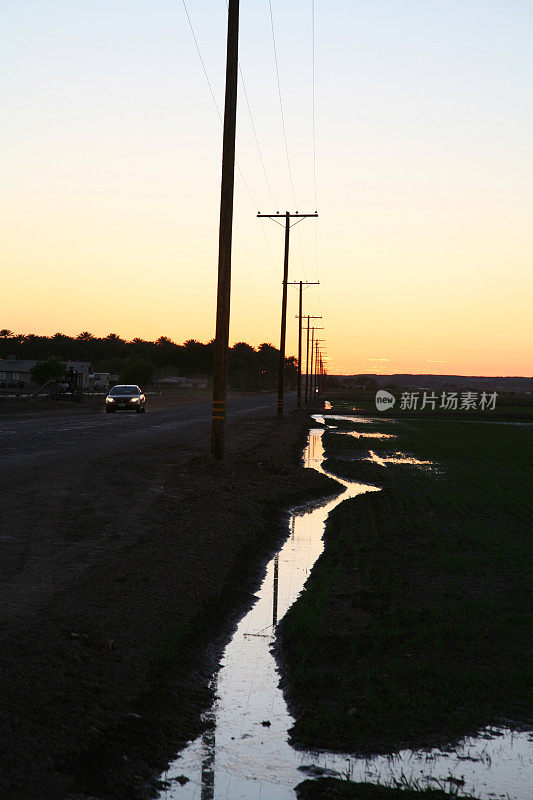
[110,185]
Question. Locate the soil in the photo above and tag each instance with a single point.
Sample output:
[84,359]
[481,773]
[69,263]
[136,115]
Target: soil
[116,614]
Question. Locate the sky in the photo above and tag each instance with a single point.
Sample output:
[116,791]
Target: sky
[110,183]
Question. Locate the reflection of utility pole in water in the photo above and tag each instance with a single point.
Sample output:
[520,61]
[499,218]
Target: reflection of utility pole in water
[208,759]
[293,523]
[275,594]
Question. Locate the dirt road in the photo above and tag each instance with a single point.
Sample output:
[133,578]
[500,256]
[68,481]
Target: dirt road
[43,439]
[126,554]
[53,476]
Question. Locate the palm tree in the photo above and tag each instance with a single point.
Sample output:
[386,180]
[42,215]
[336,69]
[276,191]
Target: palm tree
[113,344]
[5,333]
[84,336]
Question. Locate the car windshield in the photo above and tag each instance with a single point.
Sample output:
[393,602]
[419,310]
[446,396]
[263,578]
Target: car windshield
[124,390]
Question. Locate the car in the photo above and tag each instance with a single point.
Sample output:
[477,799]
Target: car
[125,397]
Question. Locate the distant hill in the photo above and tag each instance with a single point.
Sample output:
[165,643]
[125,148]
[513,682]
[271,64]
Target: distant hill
[404,380]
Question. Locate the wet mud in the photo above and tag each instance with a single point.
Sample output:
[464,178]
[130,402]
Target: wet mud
[245,752]
[105,677]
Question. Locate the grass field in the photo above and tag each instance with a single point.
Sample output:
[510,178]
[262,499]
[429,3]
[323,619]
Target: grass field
[508,407]
[414,627]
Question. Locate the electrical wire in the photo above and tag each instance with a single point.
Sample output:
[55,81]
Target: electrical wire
[281,103]
[206,74]
[300,249]
[201,60]
[254,130]
[256,138]
[313,71]
[314,95]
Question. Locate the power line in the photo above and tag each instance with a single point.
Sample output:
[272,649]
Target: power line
[314,95]
[256,137]
[254,129]
[313,48]
[302,261]
[281,103]
[201,60]
[206,74]
[287,216]
[269,249]
[255,132]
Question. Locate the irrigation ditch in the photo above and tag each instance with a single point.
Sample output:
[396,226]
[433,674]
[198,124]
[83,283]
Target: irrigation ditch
[251,748]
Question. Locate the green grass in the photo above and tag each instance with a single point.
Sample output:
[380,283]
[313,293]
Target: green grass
[414,627]
[508,407]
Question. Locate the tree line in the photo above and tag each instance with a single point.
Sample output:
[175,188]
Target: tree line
[139,360]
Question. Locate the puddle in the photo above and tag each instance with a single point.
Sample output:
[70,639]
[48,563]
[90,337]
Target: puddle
[240,757]
[360,435]
[357,420]
[397,458]
[245,755]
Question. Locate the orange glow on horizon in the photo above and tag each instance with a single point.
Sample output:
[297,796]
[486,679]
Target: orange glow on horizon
[111,188]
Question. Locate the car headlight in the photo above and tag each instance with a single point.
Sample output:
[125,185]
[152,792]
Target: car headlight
[134,399]
[109,400]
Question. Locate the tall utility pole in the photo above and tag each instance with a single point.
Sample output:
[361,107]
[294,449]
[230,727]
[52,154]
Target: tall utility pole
[312,356]
[311,371]
[220,376]
[307,363]
[315,374]
[281,371]
[314,382]
[299,388]
[301,284]
[320,374]
[309,317]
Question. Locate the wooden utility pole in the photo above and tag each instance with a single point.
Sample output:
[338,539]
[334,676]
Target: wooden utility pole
[281,371]
[313,361]
[307,364]
[312,356]
[315,376]
[220,376]
[301,284]
[317,355]
[309,317]
[299,389]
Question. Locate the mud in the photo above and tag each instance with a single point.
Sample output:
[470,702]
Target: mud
[151,557]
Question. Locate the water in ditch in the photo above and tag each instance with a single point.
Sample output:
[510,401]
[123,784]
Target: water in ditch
[244,753]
